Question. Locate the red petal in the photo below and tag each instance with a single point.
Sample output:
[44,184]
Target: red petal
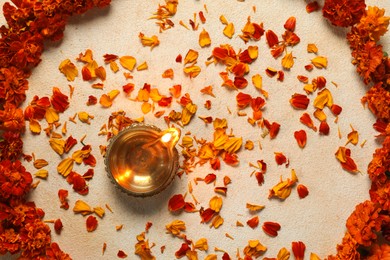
[92,223]
[176,203]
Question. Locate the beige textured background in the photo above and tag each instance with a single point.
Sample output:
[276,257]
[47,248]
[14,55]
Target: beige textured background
[318,220]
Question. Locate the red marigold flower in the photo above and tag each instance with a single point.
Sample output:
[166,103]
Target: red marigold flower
[15,181]
[9,241]
[11,146]
[34,238]
[365,222]
[343,13]
[54,252]
[13,86]
[12,118]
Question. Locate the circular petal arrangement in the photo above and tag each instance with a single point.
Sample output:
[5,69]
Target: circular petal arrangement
[31,23]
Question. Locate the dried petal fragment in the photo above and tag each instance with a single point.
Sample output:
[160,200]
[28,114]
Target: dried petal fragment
[175,227]
[68,69]
[217,221]
[121,254]
[272,38]
[302,191]
[289,25]
[206,215]
[324,128]
[91,223]
[312,7]
[204,39]
[106,100]
[283,189]
[149,41]
[191,56]
[254,208]
[40,163]
[168,74]
[216,203]
[336,109]
[271,228]
[306,120]
[142,66]
[65,167]
[42,174]
[128,62]
[253,222]
[312,48]
[82,207]
[201,244]
[280,158]
[288,61]
[299,101]
[229,30]
[298,249]
[353,137]
[300,137]
[58,226]
[324,98]
[84,117]
[320,62]
[192,71]
[283,254]
[254,248]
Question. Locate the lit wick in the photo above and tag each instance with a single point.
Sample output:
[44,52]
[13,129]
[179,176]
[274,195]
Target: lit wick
[168,137]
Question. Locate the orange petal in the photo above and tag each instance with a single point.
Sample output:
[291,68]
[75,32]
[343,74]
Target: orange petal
[299,101]
[204,39]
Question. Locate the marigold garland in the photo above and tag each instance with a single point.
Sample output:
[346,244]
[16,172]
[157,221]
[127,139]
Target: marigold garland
[30,22]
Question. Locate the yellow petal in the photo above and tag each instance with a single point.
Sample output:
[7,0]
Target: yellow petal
[313,256]
[283,254]
[40,163]
[223,20]
[87,57]
[146,107]
[79,155]
[51,115]
[324,98]
[192,71]
[35,126]
[312,48]
[81,207]
[84,117]
[220,123]
[113,94]
[143,95]
[149,41]
[204,39]
[191,56]
[42,174]
[253,207]
[127,62]
[201,244]
[341,154]
[216,203]
[233,144]
[320,115]
[57,145]
[99,211]
[229,30]
[187,141]
[188,112]
[155,95]
[114,66]
[288,61]
[217,221]
[142,66]
[175,227]
[205,152]
[65,167]
[253,52]
[68,69]
[320,62]
[220,139]
[353,137]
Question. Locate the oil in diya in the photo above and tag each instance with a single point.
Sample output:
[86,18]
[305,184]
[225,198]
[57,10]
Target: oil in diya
[142,160]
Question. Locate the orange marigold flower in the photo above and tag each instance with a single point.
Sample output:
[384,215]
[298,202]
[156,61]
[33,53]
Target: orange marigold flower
[54,252]
[380,193]
[374,22]
[344,12]
[365,222]
[367,60]
[378,100]
[34,238]
[380,163]
[379,252]
[347,249]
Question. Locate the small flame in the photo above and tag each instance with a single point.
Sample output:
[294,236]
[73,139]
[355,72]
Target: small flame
[166,138]
[170,135]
